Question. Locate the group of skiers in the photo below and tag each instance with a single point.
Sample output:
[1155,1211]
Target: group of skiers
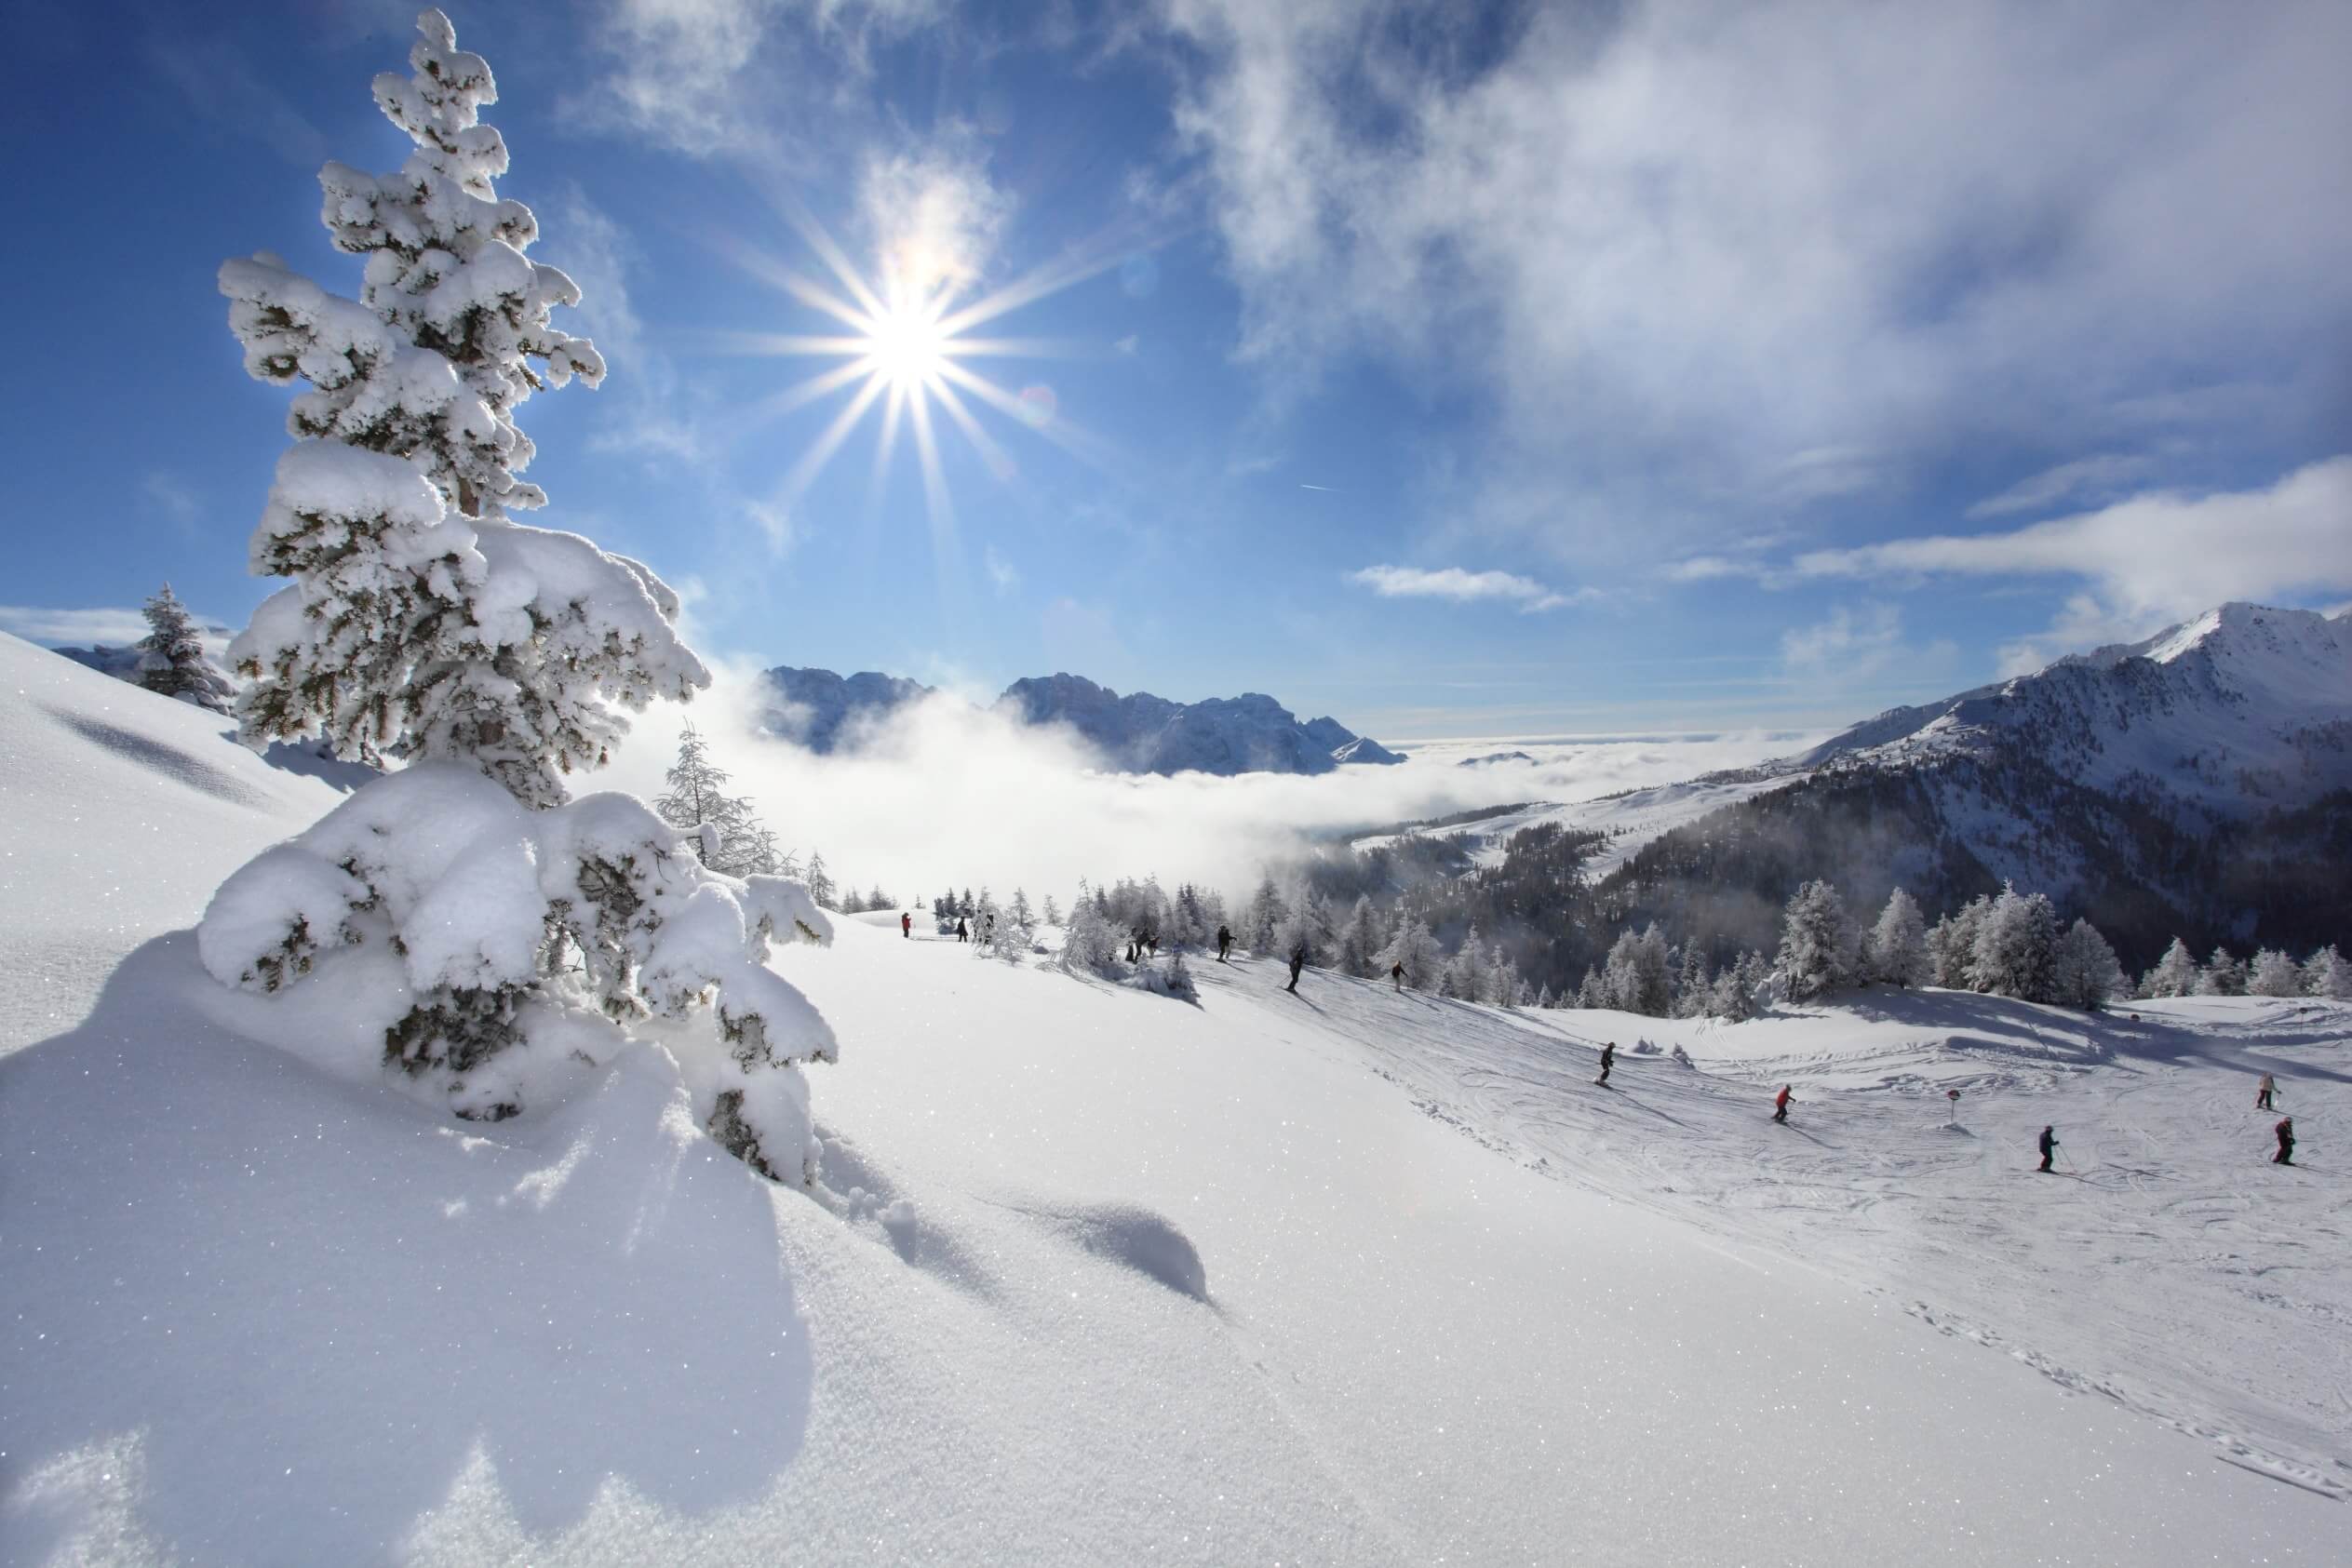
[963,931]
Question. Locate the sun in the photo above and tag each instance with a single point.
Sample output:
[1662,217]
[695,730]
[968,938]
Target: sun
[906,347]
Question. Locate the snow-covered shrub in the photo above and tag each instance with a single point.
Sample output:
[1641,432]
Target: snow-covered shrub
[421,624]
[2174,974]
[1089,943]
[171,660]
[1817,941]
[508,944]
[1171,979]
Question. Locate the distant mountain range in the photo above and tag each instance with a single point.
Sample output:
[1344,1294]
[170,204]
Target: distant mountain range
[1137,732]
[2197,784]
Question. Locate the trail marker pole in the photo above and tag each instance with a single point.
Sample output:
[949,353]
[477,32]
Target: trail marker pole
[1954,1119]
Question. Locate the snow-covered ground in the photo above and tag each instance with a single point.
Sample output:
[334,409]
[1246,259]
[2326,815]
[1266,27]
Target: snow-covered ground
[1345,1277]
[1631,818]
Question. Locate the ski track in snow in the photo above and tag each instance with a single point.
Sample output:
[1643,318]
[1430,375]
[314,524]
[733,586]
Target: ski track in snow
[2178,1274]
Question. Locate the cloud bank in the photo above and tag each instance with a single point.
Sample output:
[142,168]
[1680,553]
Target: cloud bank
[1462,587]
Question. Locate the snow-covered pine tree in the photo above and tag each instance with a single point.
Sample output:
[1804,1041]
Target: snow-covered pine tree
[1817,940]
[697,801]
[1414,947]
[484,936]
[2223,975]
[2016,945]
[1896,951]
[1359,939]
[421,623]
[2274,974]
[1019,911]
[2174,974]
[1465,976]
[2327,974]
[1052,914]
[171,661]
[1088,943]
[820,882]
[1952,945]
[1691,982]
[1267,912]
[1593,991]
[1734,996]
[2084,970]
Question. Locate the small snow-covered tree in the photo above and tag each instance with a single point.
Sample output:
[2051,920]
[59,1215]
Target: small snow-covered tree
[820,882]
[726,834]
[2327,974]
[171,661]
[1414,947]
[1263,924]
[1360,939]
[1052,914]
[2222,976]
[1896,951]
[2016,945]
[421,623]
[1817,940]
[1466,973]
[2084,970]
[2174,974]
[1089,943]
[2275,974]
[1019,911]
[459,923]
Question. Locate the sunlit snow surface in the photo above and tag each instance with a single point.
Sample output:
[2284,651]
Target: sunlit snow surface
[1349,1277]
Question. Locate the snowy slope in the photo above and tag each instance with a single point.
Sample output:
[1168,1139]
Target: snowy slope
[1349,1277]
[124,812]
[1631,818]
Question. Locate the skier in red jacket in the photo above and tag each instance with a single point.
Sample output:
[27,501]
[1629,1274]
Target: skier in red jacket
[1780,1104]
[2286,1130]
[906,926]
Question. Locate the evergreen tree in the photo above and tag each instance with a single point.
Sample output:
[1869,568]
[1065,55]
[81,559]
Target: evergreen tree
[1415,948]
[171,661]
[421,623]
[1817,940]
[1951,945]
[1360,940]
[2016,947]
[2174,974]
[1593,991]
[2222,976]
[1053,915]
[1019,912]
[1267,912]
[696,800]
[820,883]
[1896,951]
[2275,974]
[2326,974]
[1465,976]
[1692,985]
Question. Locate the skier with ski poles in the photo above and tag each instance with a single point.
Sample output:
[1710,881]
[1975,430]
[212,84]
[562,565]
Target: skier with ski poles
[2050,1146]
[1297,963]
[1224,943]
[1780,1104]
[2263,1092]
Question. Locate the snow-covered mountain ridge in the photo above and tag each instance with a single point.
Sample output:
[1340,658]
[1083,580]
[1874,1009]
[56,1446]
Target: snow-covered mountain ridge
[1137,732]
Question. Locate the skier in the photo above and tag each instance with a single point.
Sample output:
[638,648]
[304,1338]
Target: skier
[987,929]
[2050,1142]
[1152,940]
[906,926]
[1608,1060]
[2262,1094]
[1396,975]
[961,934]
[1224,943]
[2286,1130]
[1297,963]
[1780,1104]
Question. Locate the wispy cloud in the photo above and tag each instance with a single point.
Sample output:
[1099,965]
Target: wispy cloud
[170,497]
[1465,587]
[104,625]
[1326,488]
[1855,648]
[1002,574]
[2095,477]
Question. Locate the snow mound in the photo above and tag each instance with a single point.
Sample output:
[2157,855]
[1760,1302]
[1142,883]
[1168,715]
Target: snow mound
[1139,1238]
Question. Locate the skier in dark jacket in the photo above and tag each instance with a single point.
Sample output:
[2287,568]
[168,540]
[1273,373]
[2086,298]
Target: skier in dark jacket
[2286,1130]
[961,934]
[1608,1060]
[1396,975]
[906,926]
[2050,1142]
[1297,963]
[1224,943]
[1780,1104]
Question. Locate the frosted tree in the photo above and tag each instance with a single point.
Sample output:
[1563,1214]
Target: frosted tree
[2275,974]
[1415,948]
[1817,940]
[820,882]
[1019,912]
[171,661]
[422,622]
[1504,987]
[1263,923]
[459,925]
[2016,945]
[1089,944]
[1735,990]
[1636,974]
[2084,970]
[726,835]
[1896,951]
[1466,973]
[1360,939]
[1691,982]
[2222,976]
[2326,974]
[1297,935]
[1952,945]
[1052,914]
[2174,974]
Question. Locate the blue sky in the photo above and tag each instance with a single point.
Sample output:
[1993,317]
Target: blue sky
[1528,370]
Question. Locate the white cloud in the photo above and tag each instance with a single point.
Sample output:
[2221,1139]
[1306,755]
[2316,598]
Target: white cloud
[1855,648]
[1463,588]
[932,215]
[2089,477]
[1707,569]
[170,497]
[114,627]
[1003,573]
[1785,250]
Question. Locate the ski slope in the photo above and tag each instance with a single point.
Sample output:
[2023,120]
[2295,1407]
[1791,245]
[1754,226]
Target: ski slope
[1098,1276]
